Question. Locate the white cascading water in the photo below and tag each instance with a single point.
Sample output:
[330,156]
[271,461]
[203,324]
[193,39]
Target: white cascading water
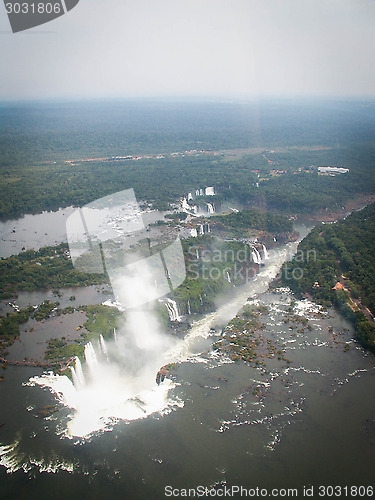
[188,307]
[185,205]
[210,208]
[265,252]
[172,309]
[193,232]
[256,256]
[228,278]
[103,346]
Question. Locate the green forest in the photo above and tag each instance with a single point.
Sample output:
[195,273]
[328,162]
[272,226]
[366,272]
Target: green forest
[341,252]
[38,144]
[47,268]
[254,219]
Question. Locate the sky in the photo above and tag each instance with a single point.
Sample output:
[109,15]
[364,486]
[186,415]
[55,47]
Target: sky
[205,48]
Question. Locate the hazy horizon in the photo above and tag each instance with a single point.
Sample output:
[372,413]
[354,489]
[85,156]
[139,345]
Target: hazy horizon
[216,49]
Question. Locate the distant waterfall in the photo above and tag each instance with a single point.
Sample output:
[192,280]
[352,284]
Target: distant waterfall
[185,205]
[203,229]
[256,256]
[210,208]
[172,309]
[265,252]
[103,345]
[228,278]
[193,233]
[188,307]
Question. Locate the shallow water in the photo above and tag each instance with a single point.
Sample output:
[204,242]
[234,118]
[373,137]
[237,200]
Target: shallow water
[73,297]
[33,231]
[45,229]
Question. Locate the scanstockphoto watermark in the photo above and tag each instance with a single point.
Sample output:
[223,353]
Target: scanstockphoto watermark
[231,492]
[235,491]
[26,14]
[242,264]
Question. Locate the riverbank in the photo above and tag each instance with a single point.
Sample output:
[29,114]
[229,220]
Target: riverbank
[341,270]
[329,215]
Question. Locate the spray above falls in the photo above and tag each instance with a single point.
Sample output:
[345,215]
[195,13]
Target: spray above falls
[117,377]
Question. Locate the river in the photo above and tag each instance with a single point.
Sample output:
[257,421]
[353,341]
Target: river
[306,422]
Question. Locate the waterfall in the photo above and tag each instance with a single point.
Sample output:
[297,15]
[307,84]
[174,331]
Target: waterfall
[115,335]
[188,307]
[172,310]
[201,229]
[193,233]
[210,208]
[103,346]
[256,256]
[90,357]
[228,278]
[77,373]
[185,205]
[265,252]
[197,253]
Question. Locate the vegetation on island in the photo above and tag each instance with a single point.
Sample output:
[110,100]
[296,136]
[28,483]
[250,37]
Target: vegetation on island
[48,268]
[101,320]
[213,266]
[335,265]
[245,338]
[9,324]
